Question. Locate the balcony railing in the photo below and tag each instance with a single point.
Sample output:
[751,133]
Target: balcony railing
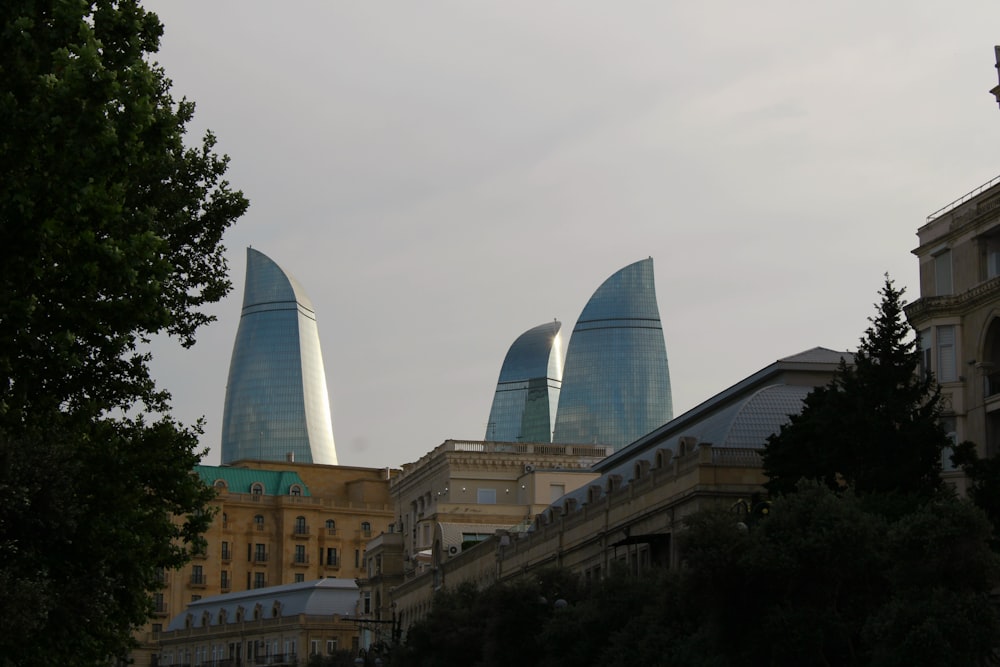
[227,553]
[301,559]
[300,531]
[197,579]
[259,557]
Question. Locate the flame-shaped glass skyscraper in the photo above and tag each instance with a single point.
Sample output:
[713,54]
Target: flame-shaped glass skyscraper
[616,384]
[276,398]
[524,406]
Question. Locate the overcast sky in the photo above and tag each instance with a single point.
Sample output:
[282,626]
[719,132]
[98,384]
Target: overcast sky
[442,176]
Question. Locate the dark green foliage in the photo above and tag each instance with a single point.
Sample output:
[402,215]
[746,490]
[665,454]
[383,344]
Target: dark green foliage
[497,626]
[110,233]
[337,659]
[862,559]
[820,581]
[874,426]
[984,483]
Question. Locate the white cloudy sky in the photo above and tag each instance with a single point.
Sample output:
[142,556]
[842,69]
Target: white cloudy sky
[442,176]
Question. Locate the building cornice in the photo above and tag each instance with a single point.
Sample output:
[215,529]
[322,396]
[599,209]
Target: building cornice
[929,307]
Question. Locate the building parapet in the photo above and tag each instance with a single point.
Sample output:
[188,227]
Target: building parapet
[928,306]
[280,501]
[980,207]
[590,453]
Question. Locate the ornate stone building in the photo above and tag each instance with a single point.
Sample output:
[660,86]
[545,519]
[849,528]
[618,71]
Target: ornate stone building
[459,494]
[276,523]
[958,314]
[281,626]
[624,509]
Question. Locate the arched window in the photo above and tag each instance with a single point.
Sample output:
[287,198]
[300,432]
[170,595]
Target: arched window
[613,483]
[331,527]
[258,521]
[295,490]
[593,493]
[366,528]
[663,458]
[220,484]
[257,489]
[640,469]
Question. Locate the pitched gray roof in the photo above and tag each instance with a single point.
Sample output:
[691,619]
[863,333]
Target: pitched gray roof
[317,597]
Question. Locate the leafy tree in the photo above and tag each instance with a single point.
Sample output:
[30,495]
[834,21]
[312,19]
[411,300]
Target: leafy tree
[874,426]
[110,233]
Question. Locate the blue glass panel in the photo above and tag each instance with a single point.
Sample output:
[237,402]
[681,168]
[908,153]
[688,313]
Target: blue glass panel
[616,383]
[276,398]
[528,389]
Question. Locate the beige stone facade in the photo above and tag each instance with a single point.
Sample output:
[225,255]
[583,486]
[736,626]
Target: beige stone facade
[277,523]
[281,626]
[461,493]
[958,314]
[630,504]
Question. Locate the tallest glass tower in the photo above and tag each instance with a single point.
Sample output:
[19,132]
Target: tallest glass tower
[616,384]
[277,405]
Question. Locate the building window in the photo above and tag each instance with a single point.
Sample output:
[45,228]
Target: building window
[366,529]
[366,600]
[942,273]
[300,526]
[948,424]
[926,351]
[486,496]
[258,521]
[314,647]
[331,556]
[300,554]
[227,554]
[331,527]
[299,577]
[331,646]
[225,582]
[260,553]
[947,369]
[357,558]
[258,580]
[992,255]
[197,575]
[295,490]
[257,489]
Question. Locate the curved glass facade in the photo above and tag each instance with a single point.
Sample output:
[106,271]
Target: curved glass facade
[524,406]
[616,384]
[276,398]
